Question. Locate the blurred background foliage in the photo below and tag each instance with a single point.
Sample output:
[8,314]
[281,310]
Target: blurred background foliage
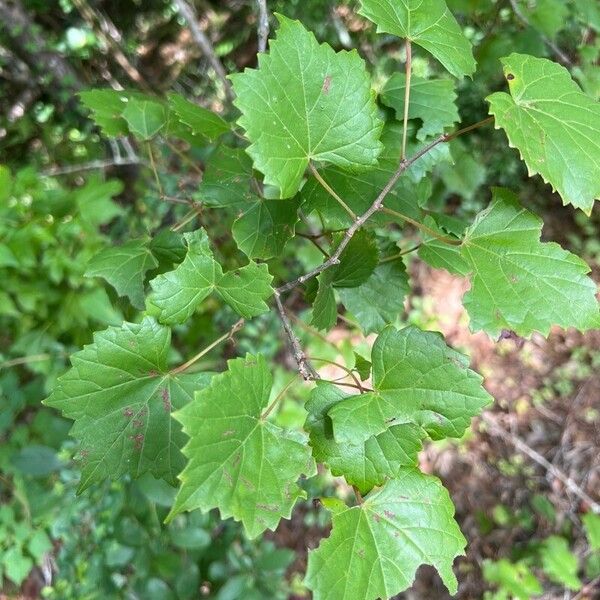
[66,193]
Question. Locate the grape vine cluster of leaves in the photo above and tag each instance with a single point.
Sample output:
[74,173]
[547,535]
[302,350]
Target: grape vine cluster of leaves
[316,140]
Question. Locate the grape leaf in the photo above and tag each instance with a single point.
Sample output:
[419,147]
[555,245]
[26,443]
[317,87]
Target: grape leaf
[178,293]
[306,102]
[246,289]
[379,300]
[560,564]
[553,124]
[362,366]
[120,394]
[416,379]
[367,464]
[359,190]
[356,264]
[431,100]
[227,179]
[238,461]
[124,268]
[202,122]
[375,549]
[264,229]
[428,23]
[442,255]
[518,282]
[107,107]
[145,118]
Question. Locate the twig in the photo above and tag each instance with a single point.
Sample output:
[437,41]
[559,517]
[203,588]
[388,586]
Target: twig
[442,238]
[538,458]
[278,398]
[405,164]
[399,255]
[304,367]
[340,366]
[227,336]
[154,170]
[23,360]
[406,96]
[263,25]
[189,14]
[559,53]
[330,190]
[94,164]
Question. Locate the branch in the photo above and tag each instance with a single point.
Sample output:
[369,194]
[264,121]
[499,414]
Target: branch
[404,165]
[263,25]
[304,367]
[189,14]
[559,53]
[520,445]
[94,164]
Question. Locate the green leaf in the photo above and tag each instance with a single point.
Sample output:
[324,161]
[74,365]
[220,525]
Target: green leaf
[359,190]
[379,300]
[515,578]
[548,16]
[16,565]
[362,366]
[202,122]
[124,267]
[591,524]
[95,203]
[107,108]
[357,261]
[364,465]
[431,100]
[324,311]
[239,462]
[178,293]
[120,394]
[37,461]
[518,282]
[416,379]
[264,229]
[554,125]
[227,179]
[145,118]
[246,289]
[559,563]
[428,23]
[375,549]
[306,102]
[441,255]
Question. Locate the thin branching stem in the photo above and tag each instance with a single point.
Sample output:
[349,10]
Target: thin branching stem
[421,227]
[154,169]
[226,336]
[406,96]
[330,190]
[263,25]
[279,397]
[341,366]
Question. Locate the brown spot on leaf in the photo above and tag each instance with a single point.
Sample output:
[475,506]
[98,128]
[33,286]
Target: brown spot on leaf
[138,441]
[128,413]
[228,433]
[510,77]
[166,400]
[326,84]
[361,552]
[389,514]
[137,423]
[377,518]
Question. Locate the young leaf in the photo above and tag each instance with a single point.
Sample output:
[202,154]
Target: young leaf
[145,118]
[441,255]
[553,124]
[417,379]
[324,312]
[560,564]
[591,524]
[428,23]
[379,300]
[264,229]
[375,549]
[178,293]
[514,578]
[120,394]
[518,282]
[431,100]
[366,464]
[246,289]
[124,268]
[107,107]
[238,461]
[306,102]
[227,179]
[202,122]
